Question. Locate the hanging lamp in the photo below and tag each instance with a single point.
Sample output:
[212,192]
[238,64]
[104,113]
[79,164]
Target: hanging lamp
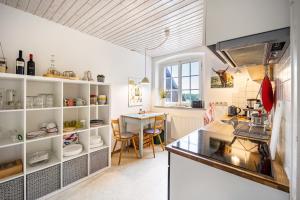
[145,80]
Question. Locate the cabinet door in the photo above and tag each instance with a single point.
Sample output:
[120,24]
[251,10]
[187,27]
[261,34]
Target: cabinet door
[236,18]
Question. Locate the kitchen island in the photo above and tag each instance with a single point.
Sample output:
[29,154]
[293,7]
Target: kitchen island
[209,164]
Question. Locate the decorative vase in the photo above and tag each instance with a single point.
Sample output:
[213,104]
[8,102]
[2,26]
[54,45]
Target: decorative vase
[162,102]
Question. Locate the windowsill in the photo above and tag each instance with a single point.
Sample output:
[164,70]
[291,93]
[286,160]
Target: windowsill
[178,107]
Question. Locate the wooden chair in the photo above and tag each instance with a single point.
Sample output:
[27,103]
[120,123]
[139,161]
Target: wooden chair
[155,132]
[123,137]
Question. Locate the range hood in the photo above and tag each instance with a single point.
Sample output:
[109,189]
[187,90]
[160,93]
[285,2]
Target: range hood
[259,49]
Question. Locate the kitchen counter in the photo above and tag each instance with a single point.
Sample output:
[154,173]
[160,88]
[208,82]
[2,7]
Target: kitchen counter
[212,146]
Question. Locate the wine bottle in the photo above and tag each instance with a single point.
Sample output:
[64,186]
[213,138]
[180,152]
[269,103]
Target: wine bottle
[20,65]
[30,66]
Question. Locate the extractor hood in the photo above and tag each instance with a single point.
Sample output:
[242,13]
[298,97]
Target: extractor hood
[259,49]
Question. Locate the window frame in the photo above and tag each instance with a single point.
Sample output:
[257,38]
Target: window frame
[180,63]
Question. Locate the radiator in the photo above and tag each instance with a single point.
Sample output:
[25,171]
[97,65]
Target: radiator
[183,125]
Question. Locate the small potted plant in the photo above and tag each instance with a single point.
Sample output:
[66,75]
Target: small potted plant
[100,78]
[163,95]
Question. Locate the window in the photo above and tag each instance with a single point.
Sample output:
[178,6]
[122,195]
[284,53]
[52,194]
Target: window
[182,82]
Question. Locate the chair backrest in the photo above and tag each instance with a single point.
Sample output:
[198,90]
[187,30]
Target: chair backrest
[159,122]
[115,125]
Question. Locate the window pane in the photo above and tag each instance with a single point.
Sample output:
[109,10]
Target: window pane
[195,95]
[186,69]
[168,71]
[195,68]
[168,98]
[168,83]
[185,83]
[174,96]
[174,83]
[175,71]
[195,82]
[186,95]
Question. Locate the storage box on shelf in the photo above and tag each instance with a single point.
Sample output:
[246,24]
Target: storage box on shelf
[11,128]
[23,116]
[80,140]
[42,124]
[12,154]
[51,153]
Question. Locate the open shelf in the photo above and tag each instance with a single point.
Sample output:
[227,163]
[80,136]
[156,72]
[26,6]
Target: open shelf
[11,177]
[37,87]
[52,145]
[23,119]
[9,154]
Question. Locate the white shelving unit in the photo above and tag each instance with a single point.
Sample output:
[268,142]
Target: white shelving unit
[58,170]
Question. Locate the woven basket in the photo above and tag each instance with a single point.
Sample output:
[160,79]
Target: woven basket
[12,190]
[43,182]
[98,160]
[75,169]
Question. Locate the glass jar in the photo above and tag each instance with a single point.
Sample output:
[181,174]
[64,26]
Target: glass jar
[38,101]
[49,100]
[93,99]
[29,102]
[43,99]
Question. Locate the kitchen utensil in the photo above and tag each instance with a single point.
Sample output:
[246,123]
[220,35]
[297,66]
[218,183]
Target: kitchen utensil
[43,99]
[80,102]
[267,94]
[72,149]
[38,157]
[259,119]
[276,128]
[69,102]
[233,110]
[102,99]
[251,102]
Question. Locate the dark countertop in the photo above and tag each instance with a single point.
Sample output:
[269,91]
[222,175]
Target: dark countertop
[213,145]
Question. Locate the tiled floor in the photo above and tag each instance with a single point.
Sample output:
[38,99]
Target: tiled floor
[134,179]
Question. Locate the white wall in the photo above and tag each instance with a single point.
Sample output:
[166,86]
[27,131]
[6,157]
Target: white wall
[235,18]
[73,50]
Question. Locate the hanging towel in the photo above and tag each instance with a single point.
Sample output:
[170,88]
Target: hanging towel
[208,115]
[267,95]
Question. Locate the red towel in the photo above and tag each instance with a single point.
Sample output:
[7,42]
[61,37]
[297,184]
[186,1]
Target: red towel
[267,95]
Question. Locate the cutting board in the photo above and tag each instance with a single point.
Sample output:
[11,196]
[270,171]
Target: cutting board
[276,128]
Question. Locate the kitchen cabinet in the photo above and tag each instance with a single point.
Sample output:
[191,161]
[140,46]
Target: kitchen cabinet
[236,18]
[192,180]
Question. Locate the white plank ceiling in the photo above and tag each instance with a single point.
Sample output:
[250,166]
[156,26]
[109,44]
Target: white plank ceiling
[133,24]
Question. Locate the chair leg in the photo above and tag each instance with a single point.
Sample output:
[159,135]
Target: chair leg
[134,146]
[115,146]
[161,144]
[120,152]
[152,144]
[127,145]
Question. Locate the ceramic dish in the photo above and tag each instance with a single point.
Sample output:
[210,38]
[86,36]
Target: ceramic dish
[72,149]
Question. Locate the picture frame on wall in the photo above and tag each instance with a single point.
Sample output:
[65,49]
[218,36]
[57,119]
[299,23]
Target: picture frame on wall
[135,94]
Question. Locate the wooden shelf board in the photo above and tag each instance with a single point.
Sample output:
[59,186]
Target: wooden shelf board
[76,131]
[6,142]
[49,136]
[11,177]
[98,148]
[101,126]
[41,109]
[11,110]
[52,161]
[66,158]
[75,107]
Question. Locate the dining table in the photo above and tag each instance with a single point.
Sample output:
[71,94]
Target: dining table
[142,120]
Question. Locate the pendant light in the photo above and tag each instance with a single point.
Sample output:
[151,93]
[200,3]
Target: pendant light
[145,80]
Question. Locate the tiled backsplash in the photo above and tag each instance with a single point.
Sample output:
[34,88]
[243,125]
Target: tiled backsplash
[282,75]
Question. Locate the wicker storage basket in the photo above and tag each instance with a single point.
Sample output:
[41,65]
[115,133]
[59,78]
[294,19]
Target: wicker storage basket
[43,182]
[98,160]
[12,190]
[75,169]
